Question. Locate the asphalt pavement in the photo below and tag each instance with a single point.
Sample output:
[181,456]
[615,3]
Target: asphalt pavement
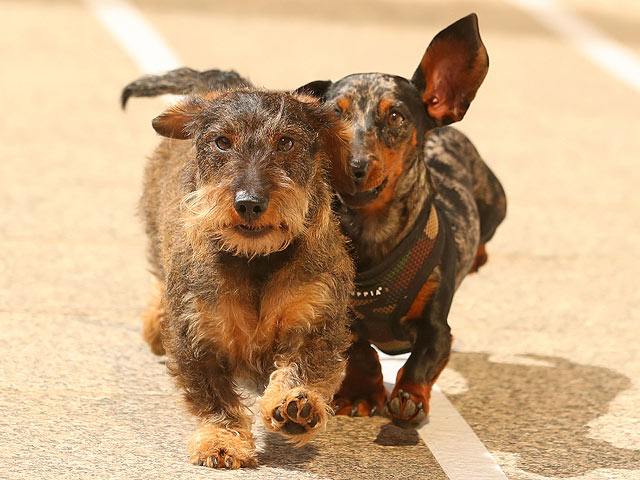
[546,369]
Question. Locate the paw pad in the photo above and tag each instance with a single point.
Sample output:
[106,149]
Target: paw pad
[298,414]
[406,410]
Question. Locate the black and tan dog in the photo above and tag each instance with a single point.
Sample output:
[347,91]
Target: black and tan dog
[417,202]
[253,273]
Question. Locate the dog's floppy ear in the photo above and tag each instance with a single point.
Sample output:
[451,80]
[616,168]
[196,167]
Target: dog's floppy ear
[177,121]
[451,71]
[335,138]
[316,89]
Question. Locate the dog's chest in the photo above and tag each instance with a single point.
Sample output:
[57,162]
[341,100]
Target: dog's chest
[253,321]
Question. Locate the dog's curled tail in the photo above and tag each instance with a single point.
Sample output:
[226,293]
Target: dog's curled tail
[182,81]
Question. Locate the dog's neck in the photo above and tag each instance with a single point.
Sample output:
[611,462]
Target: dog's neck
[261,267]
[373,237]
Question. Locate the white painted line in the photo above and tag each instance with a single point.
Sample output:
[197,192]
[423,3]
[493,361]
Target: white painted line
[452,442]
[135,35]
[390,365]
[455,445]
[610,55]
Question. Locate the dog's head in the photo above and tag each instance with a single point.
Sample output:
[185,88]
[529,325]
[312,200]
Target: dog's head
[390,115]
[259,174]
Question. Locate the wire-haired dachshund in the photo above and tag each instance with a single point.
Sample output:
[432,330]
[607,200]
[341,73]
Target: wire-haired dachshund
[252,270]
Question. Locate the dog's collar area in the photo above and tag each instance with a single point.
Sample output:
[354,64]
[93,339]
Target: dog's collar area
[384,294]
[427,217]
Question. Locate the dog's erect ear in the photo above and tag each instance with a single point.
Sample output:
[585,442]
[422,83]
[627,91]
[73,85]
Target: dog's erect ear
[315,89]
[451,71]
[178,120]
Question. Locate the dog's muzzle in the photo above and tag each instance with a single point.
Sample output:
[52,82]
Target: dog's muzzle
[250,205]
[360,170]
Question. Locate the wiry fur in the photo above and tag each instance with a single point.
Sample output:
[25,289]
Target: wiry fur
[209,216]
[266,309]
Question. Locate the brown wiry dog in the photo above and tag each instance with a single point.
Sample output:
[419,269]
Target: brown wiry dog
[253,274]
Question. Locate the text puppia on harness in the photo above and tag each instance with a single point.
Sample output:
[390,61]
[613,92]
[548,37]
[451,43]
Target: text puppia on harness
[384,294]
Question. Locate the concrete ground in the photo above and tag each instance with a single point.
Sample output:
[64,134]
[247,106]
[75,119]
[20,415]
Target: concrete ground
[546,369]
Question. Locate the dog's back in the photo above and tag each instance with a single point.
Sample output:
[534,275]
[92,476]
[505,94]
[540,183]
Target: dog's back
[161,199]
[468,193]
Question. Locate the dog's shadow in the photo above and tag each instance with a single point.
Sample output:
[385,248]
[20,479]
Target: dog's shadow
[276,448]
[277,452]
[392,436]
[368,448]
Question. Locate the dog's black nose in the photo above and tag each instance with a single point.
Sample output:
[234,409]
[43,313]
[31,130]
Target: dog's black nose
[250,206]
[359,170]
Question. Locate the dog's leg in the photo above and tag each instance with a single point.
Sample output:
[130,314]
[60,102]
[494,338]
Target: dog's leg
[217,445]
[152,319]
[292,409]
[362,392]
[480,260]
[296,403]
[408,404]
[223,439]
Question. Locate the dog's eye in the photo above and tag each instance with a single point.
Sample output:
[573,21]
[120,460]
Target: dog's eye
[223,143]
[395,118]
[285,144]
[337,110]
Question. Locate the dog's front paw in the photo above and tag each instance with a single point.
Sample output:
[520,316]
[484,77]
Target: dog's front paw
[298,414]
[216,447]
[408,405]
[364,405]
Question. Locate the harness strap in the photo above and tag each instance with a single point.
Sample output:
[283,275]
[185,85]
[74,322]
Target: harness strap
[385,293]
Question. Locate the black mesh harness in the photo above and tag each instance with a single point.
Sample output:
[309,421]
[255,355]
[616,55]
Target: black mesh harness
[384,294]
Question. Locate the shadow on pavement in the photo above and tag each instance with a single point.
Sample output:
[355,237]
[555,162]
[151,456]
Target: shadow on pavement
[277,451]
[355,448]
[392,436]
[541,413]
